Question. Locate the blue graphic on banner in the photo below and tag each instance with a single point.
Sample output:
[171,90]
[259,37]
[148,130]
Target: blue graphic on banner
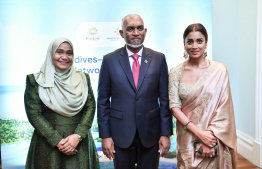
[27,27]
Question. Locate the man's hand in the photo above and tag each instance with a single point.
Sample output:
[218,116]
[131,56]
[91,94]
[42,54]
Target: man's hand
[164,144]
[108,147]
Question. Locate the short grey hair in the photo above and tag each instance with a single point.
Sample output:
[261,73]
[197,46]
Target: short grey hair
[127,16]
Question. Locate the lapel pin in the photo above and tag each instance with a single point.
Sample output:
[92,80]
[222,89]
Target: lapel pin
[146,61]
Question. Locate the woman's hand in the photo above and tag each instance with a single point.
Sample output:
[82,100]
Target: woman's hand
[208,138]
[207,151]
[60,146]
[68,145]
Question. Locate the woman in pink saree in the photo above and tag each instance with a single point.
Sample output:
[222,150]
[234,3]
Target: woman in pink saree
[200,99]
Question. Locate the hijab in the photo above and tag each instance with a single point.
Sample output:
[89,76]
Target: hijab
[64,92]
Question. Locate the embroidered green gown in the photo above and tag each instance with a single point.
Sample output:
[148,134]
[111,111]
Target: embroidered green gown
[50,128]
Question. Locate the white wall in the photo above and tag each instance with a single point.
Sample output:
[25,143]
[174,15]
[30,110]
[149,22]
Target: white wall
[225,42]
[247,65]
[234,44]
[235,31]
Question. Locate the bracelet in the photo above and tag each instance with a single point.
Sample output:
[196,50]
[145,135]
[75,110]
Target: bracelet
[185,126]
[79,137]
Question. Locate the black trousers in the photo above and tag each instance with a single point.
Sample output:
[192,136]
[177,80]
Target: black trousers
[146,158]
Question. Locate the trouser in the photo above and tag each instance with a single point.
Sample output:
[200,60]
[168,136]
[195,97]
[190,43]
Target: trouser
[136,153]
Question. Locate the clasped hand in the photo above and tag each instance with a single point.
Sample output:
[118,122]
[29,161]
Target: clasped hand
[208,138]
[209,141]
[207,151]
[68,145]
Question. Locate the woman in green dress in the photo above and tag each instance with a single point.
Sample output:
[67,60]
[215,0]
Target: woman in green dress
[60,105]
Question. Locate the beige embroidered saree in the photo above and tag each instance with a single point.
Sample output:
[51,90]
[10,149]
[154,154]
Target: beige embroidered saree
[208,104]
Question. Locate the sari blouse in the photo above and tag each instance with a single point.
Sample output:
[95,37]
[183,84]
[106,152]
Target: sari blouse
[208,104]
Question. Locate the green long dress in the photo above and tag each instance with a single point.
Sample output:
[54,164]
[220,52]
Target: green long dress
[50,128]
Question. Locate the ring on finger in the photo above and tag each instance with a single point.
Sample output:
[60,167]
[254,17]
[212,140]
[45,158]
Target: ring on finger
[210,156]
[214,144]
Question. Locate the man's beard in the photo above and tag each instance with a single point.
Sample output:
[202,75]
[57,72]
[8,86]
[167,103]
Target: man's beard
[134,46]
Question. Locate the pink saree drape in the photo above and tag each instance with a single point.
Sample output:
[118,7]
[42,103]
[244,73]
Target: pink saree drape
[209,105]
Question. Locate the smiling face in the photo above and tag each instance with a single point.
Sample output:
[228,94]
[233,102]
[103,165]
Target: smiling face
[133,31]
[63,57]
[195,44]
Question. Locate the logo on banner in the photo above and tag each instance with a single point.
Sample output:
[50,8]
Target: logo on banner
[117,31]
[99,34]
[117,36]
[92,32]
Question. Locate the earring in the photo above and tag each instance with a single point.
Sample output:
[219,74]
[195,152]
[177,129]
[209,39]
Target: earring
[205,53]
[185,54]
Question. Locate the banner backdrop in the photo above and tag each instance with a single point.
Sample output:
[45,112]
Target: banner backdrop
[27,27]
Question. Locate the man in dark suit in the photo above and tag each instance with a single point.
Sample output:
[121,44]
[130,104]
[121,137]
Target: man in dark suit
[133,110]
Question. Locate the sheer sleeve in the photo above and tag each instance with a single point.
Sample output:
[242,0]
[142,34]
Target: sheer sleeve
[174,79]
[88,112]
[33,110]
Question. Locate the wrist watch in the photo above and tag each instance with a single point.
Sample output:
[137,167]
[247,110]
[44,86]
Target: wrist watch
[79,137]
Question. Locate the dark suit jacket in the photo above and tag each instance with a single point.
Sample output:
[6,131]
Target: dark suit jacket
[123,109]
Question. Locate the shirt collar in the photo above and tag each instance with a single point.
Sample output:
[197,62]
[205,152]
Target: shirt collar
[129,53]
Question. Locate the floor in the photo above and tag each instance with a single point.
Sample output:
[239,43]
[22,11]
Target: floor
[242,163]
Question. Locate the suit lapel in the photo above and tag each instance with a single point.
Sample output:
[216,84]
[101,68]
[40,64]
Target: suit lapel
[145,62]
[124,62]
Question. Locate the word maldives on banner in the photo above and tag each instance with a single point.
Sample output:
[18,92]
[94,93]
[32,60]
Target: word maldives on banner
[90,35]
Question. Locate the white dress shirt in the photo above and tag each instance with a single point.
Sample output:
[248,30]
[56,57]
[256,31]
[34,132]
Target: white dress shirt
[131,60]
